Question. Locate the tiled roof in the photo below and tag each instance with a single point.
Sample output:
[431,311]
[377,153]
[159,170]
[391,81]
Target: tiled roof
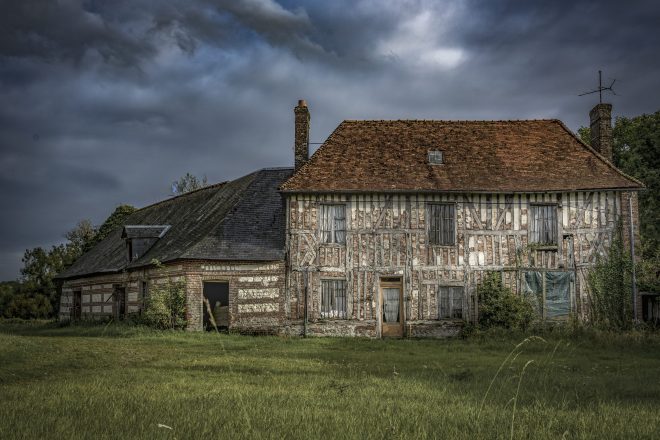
[481,156]
[231,221]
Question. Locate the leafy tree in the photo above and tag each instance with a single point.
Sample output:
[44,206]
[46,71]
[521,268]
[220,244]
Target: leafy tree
[188,183]
[81,237]
[41,266]
[636,151]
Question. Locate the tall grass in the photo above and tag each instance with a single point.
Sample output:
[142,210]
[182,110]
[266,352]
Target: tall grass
[131,382]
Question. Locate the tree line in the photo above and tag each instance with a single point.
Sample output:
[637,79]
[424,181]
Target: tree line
[36,294]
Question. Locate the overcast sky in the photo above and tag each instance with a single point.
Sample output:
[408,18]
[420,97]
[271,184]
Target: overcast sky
[108,102]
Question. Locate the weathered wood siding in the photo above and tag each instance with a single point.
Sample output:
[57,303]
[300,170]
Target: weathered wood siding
[387,236]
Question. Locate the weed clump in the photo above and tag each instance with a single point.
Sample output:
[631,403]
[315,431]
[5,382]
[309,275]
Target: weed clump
[500,307]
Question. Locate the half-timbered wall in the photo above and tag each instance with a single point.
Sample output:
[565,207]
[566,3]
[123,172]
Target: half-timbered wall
[256,300]
[386,235]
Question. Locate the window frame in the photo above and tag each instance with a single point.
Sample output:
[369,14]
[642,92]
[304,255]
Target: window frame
[532,224]
[451,301]
[333,231]
[452,235]
[331,311]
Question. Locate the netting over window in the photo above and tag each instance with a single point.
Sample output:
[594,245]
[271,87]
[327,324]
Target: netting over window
[549,292]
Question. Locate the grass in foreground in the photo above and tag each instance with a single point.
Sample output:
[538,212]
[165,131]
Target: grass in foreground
[123,382]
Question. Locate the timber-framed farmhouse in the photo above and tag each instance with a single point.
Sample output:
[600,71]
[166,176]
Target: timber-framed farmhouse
[385,231]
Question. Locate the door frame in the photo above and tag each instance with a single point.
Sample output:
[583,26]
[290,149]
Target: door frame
[392,331]
[203,310]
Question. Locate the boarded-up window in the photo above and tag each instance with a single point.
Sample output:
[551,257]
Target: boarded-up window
[333,298]
[441,224]
[450,302]
[543,227]
[333,223]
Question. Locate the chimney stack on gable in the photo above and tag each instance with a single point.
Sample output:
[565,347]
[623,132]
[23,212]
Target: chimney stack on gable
[601,129]
[301,142]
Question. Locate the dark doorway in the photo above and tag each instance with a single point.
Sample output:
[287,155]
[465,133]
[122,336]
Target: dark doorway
[120,302]
[216,305]
[651,308]
[76,310]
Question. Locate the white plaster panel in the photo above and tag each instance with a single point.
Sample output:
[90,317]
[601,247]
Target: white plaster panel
[258,308]
[264,280]
[258,293]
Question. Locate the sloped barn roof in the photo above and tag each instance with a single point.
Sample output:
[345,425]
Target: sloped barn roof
[232,221]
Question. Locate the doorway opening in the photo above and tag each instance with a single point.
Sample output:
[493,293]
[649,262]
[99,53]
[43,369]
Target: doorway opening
[216,305]
[391,300]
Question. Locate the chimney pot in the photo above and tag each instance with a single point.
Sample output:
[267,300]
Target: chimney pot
[600,122]
[301,136]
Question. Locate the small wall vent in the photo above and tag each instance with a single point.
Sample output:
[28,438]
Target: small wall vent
[436,157]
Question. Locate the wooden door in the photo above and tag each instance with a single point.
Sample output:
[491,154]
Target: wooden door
[391,300]
[120,302]
[77,305]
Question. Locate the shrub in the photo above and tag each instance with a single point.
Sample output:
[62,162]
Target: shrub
[166,305]
[500,307]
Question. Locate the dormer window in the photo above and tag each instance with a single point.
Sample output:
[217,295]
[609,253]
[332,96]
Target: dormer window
[140,238]
[436,157]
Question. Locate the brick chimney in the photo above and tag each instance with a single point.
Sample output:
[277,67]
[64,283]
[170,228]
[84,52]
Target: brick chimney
[601,129]
[301,143]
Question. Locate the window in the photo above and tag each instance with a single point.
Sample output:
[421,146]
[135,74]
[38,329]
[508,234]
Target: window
[441,224]
[333,223]
[435,157]
[333,298]
[450,302]
[543,228]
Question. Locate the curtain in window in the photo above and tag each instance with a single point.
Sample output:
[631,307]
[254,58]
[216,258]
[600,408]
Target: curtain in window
[391,306]
[333,298]
[544,224]
[450,302]
[333,223]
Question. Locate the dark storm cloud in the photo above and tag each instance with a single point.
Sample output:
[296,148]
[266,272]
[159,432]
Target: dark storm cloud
[107,102]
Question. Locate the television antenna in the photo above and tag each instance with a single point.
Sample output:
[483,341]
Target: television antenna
[600,88]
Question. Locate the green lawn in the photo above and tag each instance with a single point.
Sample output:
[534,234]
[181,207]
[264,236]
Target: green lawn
[122,382]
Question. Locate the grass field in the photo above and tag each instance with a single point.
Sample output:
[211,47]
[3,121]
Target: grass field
[122,382]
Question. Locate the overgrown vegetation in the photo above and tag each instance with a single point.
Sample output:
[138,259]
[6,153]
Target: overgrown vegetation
[166,303]
[500,307]
[610,290]
[115,381]
[188,183]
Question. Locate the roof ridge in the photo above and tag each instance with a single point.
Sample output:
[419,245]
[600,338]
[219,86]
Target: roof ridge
[458,121]
[215,185]
[598,155]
